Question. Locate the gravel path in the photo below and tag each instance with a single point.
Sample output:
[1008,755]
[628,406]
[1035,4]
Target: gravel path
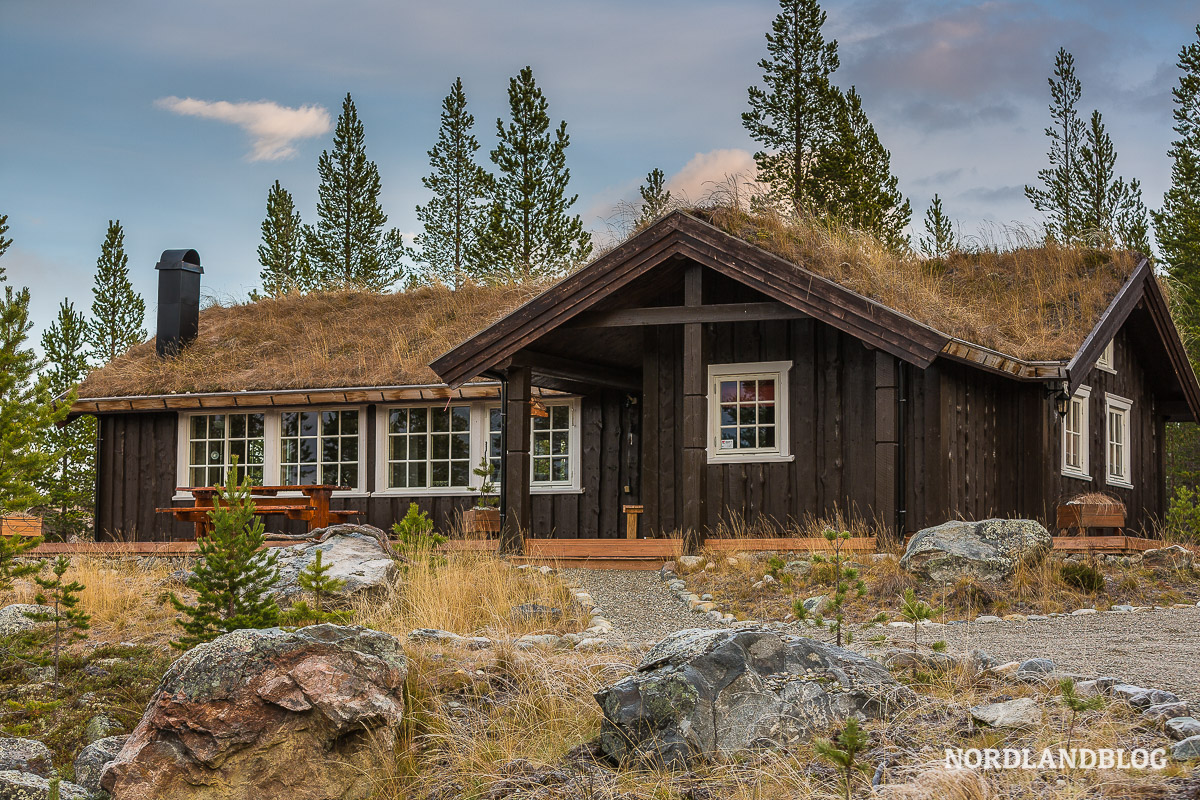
[638,604]
[1155,649]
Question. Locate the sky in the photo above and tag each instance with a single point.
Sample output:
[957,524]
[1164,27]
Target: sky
[175,118]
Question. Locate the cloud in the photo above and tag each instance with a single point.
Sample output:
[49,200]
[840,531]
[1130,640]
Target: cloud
[998,194]
[272,128]
[705,171]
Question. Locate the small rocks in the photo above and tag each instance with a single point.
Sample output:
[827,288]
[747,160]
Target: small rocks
[1181,728]
[533,640]
[528,612]
[25,755]
[730,561]
[92,760]
[1187,750]
[988,618]
[1122,609]
[1174,556]
[1083,612]
[27,786]
[1023,712]
[434,636]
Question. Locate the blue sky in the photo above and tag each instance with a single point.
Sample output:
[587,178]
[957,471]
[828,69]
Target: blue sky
[93,100]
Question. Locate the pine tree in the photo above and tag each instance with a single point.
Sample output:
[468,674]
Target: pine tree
[1177,224]
[4,243]
[852,181]
[231,579]
[27,410]
[791,116]
[460,187]
[285,266]
[843,752]
[528,232]
[1109,208]
[12,548]
[69,487]
[656,198]
[349,246]
[941,241]
[315,580]
[69,621]
[1058,197]
[118,312]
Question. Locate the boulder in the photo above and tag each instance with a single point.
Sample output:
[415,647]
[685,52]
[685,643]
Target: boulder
[1024,712]
[688,564]
[1175,555]
[1165,711]
[15,619]
[26,755]
[1187,750]
[16,785]
[92,760]
[1182,728]
[352,555]
[303,715]
[799,568]
[1035,666]
[100,727]
[987,550]
[1139,697]
[817,604]
[717,693]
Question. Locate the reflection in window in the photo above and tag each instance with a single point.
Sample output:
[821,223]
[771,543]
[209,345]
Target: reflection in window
[213,442]
[319,447]
[429,447]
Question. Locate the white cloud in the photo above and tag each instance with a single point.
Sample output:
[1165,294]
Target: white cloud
[706,171]
[273,128]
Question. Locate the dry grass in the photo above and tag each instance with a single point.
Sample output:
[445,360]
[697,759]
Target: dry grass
[323,339]
[1027,298]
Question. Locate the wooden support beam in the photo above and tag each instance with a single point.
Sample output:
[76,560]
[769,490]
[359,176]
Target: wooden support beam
[573,370]
[679,315]
[695,416]
[516,463]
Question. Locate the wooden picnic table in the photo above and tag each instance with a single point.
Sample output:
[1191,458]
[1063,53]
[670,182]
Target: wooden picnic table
[314,507]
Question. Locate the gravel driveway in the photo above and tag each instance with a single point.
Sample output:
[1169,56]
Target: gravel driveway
[638,604]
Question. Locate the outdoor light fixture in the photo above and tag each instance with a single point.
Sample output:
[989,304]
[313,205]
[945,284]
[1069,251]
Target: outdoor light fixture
[1062,398]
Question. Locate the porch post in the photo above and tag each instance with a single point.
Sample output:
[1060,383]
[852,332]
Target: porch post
[516,463]
[695,419]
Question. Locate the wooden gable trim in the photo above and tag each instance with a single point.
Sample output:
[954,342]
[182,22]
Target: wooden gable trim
[1001,364]
[679,234]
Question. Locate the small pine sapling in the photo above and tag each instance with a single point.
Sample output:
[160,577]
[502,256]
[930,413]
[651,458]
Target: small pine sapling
[232,579]
[917,611]
[415,534]
[845,579]
[843,752]
[1076,704]
[62,597]
[315,580]
[487,486]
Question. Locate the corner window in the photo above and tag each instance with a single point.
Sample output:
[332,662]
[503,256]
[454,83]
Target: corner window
[747,404]
[429,447]
[1075,436]
[1105,361]
[1117,411]
[215,439]
[318,447]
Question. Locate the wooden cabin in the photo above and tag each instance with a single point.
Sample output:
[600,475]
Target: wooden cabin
[706,378]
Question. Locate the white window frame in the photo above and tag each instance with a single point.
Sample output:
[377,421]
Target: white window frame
[184,466]
[272,450]
[1082,400]
[757,370]
[1124,478]
[479,442]
[1106,360]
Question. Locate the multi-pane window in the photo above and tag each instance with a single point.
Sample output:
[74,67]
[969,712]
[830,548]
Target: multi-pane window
[746,411]
[214,440]
[1117,412]
[429,447]
[551,446]
[495,442]
[319,447]
[1075,436]
[1105,361]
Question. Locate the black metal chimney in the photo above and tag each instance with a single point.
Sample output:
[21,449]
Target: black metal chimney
[178,300]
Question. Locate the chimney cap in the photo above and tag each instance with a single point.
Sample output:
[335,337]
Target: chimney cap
[180,259]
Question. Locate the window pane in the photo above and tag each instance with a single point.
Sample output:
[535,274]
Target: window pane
[349,422]
[417,447]
[418,420]
[308,474]
[257,426]
[349,449]
[560,416]
[291,449]
[728,391]
[766,391]
[196,476]
[237,426]
[441,446]
[746,437]
[561,470]
[329,422]
[290,423]
[216,426]
[439,420]
[199,451]
[746,391]
[329,474]
[329,449]
[541,469]
[349,475]
[494,419]
[541,423]
[308,423]
[289,476]
[747,415]
[440,472]
[559,443]
[541,444]
[398,420]
[728,415]
[460,445]
[308,450]
[237,448]
[766,437]
[462,418]
[459,473]
[416,475]
[728,438]
[397,474]
[199,427]
[766,415]
[216,453]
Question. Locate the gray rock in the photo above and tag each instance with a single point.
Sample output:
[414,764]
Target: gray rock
[26,755]
[1036,666]
[717,693]
[92,760]
[1139,697]
[1187,750]
[14,619]
[988,618]
[100,727]
[356,558]
[1095,686]
[817,604]
[1181,728]
[1172,556]
[987,550]
[434,636]
[926,660]
[1024,712]
[528,612]
[539,640]
[688,564]
[16,785]
[800,568]
[1165,711]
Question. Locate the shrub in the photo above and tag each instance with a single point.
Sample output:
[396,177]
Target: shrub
[1183,515]
[1082,576]
[415,535]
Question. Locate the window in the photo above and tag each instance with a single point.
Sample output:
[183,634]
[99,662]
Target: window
[495,442]
[318,447]
[429,447]
[1075,436]
[747,405]
[1105,361]
[551,446]
[215,439]
[1117,410]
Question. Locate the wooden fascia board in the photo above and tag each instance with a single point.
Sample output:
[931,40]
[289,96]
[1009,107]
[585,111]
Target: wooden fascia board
[1119,309]
[1001,364]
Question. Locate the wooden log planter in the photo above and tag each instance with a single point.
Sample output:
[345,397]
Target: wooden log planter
[482,520]
[20,525]
[1082,517]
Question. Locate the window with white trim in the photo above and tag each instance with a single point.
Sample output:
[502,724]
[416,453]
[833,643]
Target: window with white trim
[214,440]
[1105,361]
[319,447]
[495,442]
[1116,440]
[747,405]
[1075,436]
[429,447]
[550,449]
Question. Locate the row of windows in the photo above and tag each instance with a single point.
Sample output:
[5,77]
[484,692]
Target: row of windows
[1076,423]
[424,447]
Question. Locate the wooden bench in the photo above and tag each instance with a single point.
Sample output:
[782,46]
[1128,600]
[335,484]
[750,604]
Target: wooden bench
[313,507]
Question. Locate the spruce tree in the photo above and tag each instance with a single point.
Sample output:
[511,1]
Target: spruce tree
[62,598]
[232,580]
[1177,223]
[1109,208]
[118,312]
[4,243]
[451,219]
[529,232]
[69,486]
[791,114]
[941,240]
[1058,196]
[349,246]
[285,266]
[656,198]
[27,410]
